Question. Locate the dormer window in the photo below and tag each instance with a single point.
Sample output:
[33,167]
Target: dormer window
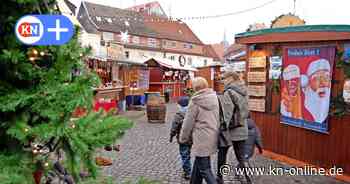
[152,42]
[136,40]
[109,20]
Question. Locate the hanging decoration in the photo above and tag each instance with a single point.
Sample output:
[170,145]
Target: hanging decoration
[124,36]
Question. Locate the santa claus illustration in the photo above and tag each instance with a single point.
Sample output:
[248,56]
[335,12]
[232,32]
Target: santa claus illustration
[291,93]
[317,89]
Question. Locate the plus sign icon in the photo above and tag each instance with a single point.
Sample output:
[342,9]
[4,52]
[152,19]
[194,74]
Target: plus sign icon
[44,29]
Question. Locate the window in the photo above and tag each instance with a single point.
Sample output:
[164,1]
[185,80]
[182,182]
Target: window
[188,46]
[136,40]
[169,44]
[172,44]
[127,54]
[107,36]
[172,57]
[99,19]
[152,42]
[109,20]
[189,61]
[205,62]
[142,54]
[164,55]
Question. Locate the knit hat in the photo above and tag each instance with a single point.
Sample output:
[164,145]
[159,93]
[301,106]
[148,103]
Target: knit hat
[321,64]
[183,101]
[291,72]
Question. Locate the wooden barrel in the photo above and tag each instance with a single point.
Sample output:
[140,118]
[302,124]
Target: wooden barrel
[156,110]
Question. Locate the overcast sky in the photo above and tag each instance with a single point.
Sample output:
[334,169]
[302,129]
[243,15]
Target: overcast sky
[212,30]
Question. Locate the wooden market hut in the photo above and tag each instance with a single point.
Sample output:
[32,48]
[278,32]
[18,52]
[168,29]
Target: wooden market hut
[212,75]
[122,81]
[168,77]
[320,149]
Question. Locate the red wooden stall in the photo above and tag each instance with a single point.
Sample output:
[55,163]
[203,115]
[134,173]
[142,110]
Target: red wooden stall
[168,78]
[212,75]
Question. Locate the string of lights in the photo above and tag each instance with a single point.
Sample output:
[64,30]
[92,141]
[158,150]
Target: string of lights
[229,14]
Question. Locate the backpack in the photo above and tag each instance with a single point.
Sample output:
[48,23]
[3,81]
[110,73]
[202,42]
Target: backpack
[235,118]
[223,140]
[240,112]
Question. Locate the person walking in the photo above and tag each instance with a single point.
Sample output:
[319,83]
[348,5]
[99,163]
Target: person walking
[202,124]
[184,148]
[254,140]
[234,114]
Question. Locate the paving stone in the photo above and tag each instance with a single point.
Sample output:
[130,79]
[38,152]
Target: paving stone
[146,152]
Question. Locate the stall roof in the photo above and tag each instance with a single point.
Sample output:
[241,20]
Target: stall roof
[170,64]
[296,34]
[116,60]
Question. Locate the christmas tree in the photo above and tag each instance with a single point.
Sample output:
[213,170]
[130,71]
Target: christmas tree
[46,104]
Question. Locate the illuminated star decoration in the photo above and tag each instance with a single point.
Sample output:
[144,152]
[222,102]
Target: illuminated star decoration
[124,37]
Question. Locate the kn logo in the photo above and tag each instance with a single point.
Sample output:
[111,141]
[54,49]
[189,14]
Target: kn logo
[44,29]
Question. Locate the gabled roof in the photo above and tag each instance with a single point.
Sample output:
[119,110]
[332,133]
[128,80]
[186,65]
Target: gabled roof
[168,64]
[113,20]
[71,6]
[173,30]
[146,7]
[209,51]
[119,17]
[219,49]
[234,49]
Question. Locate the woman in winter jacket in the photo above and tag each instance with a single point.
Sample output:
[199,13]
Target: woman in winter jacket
[202,123]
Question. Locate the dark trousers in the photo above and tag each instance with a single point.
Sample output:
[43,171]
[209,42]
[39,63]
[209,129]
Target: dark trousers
[238,148]
[185,153]
[222,156]
[202,170]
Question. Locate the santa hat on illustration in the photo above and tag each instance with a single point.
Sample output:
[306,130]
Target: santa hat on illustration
[320,64]
[291,72]
[317,65]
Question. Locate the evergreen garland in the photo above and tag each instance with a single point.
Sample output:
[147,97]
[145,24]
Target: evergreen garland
[37,101]
[338,106]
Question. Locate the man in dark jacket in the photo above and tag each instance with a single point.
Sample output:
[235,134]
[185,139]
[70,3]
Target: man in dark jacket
[184,148]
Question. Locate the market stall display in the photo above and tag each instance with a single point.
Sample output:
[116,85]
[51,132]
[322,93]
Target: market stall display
[168,78]
[111,90]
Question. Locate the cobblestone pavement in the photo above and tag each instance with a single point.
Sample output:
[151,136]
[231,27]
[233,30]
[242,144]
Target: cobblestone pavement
[146,152]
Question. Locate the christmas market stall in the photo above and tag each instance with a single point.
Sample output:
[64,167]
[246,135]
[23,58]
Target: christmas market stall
[212,75]
[121,81]
[136,79]
[169,77]
[298,82]
[110,92]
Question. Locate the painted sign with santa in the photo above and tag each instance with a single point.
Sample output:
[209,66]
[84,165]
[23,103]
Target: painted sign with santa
[306,87]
